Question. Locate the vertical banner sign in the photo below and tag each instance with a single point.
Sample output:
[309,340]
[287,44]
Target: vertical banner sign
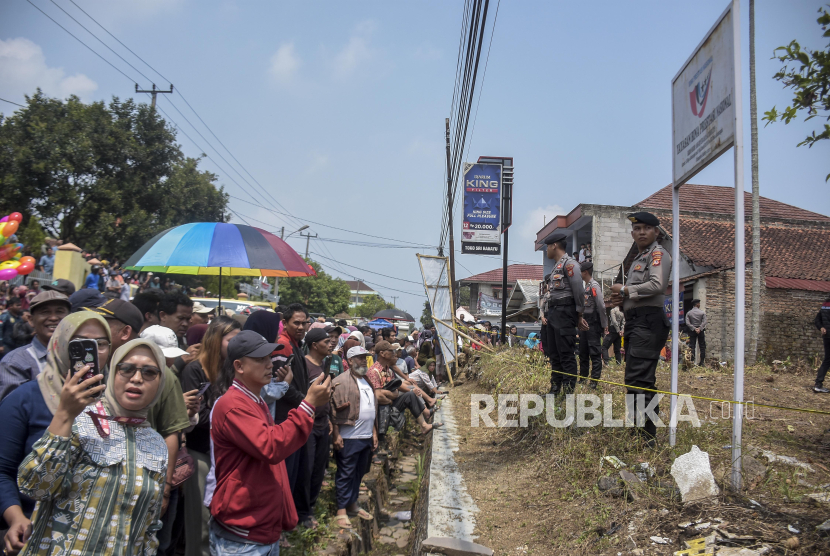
[481,229]
[703,98]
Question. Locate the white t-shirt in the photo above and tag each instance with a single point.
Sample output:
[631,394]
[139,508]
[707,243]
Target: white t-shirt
[366,418]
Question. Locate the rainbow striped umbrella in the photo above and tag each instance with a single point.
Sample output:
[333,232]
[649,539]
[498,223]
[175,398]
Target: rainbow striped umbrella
[211,248]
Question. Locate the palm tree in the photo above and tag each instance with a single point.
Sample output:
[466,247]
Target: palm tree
[755,317]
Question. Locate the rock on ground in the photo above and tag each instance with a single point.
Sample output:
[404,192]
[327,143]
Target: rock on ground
[693,475]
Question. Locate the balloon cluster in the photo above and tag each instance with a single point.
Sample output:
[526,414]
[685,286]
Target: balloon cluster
[11,262]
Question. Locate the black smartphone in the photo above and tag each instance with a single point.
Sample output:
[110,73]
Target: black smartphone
[84,352]
[203,388]
[327,367]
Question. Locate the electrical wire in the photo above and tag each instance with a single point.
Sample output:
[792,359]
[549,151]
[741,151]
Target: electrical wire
[16,104]
[370,272]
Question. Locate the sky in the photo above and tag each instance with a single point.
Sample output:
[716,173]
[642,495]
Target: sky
[337,109]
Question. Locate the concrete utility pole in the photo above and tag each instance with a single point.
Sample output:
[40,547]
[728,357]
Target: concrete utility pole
[307,241]
[755,315]
[394,300]
[154,92]
[449,204]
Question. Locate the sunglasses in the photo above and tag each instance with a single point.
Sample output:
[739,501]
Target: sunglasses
[148,373]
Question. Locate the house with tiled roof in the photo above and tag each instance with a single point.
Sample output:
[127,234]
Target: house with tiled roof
[358,291]
[486,293]
[795,261]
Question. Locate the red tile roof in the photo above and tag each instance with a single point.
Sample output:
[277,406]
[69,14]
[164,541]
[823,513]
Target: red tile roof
[514,272]
[790,284]
[793,253]
[721,200]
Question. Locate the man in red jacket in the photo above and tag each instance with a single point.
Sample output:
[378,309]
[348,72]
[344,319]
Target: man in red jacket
[252,503]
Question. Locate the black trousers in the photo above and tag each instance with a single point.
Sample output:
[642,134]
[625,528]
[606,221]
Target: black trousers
[411,401]
[698,338]
[318,459]
[590,348]
[825,365]
[646,332]
[543,337]
[613,339]
[562,340]
[296,465]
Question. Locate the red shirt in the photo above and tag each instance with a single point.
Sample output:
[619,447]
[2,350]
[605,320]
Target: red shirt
[252,497]
[378,375]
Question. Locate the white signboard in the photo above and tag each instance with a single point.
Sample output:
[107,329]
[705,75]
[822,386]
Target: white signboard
[703,97]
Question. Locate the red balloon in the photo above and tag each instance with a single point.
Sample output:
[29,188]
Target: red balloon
[25,260]
[25,268]
[16,217]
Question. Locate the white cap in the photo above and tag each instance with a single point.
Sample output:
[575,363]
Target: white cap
[164,338]
[356,351]
[201,309]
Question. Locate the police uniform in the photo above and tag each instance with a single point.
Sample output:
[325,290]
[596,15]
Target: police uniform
[566,302]
[590,341]
[646,325]
[544,297]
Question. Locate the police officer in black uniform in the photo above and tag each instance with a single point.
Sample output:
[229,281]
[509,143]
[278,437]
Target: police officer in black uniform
[566,303]
[590,341]
[646,325]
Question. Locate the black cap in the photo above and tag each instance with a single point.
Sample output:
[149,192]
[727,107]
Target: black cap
[124,311]
[586,266]
[86,297]
[315,335]
[65,287]
[555,237]
[250,344]
[330,329]
[644,218]
[695,301]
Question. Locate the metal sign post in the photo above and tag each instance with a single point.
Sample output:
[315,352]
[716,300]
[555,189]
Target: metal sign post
[706,121]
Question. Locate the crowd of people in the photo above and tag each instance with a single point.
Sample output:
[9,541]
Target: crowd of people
[195,430]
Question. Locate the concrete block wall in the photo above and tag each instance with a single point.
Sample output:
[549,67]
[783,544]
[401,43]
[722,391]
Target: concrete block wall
[611,235]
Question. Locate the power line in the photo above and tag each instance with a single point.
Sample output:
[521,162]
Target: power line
[484,75]
[370,272]
[373,272]
[10,102]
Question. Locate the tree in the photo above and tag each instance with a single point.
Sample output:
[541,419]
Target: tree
[810,83]
[107,178]
[319,294]
[464,296]
[371,305]
[33,235]
[426,316]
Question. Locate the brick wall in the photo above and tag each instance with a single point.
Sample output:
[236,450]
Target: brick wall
[786,319]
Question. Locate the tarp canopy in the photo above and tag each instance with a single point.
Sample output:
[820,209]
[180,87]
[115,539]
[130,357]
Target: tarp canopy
[436,284]
[377,324]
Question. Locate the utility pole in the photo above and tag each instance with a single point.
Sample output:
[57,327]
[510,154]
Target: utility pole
[755,314]
[394,300]
[449,204]
[307,241]
[154,92]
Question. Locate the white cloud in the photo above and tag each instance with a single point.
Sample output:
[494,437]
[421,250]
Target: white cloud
[537,218]
[23,68]
[357,51]
[284,64]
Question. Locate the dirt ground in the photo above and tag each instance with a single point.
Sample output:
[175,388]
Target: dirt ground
[537,490]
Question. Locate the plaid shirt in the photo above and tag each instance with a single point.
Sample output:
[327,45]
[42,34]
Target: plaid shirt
[378,375]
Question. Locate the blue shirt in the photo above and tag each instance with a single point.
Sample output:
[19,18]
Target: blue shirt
[21,365]
[91,281]
[48,263]
[25,418]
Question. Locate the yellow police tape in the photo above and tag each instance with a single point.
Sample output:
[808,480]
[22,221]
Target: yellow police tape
[640,389]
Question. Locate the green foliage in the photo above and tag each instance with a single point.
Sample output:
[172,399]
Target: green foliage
[810,83]
[32,235]
[107,178]
[319,294]
[211,284]
[371,305]
[464,296]
[426,316]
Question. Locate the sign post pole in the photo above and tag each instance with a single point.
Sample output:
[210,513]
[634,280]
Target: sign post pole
[675,308]
[740,254]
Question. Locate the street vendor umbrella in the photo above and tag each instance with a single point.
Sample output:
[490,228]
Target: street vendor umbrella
[393,314]
[377,324]
[219,249]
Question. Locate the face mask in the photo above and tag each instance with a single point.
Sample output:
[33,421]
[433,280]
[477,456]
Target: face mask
[360,371]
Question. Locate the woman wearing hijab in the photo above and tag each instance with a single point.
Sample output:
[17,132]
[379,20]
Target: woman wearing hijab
[27,411]
[98,472]
[531,341]
[204,369]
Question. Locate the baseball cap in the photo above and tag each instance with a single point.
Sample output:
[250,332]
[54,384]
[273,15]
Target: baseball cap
[330,329]
[49,297]
[86,297]
[396,346]
[356,351]
[121,310]
[164,338]
[383,345]
[66,287]
[315,335]
[201,309]
[250,344]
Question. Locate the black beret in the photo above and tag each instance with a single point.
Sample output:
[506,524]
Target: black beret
[555,237]
[644,218]
[586,266]
[695,301]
